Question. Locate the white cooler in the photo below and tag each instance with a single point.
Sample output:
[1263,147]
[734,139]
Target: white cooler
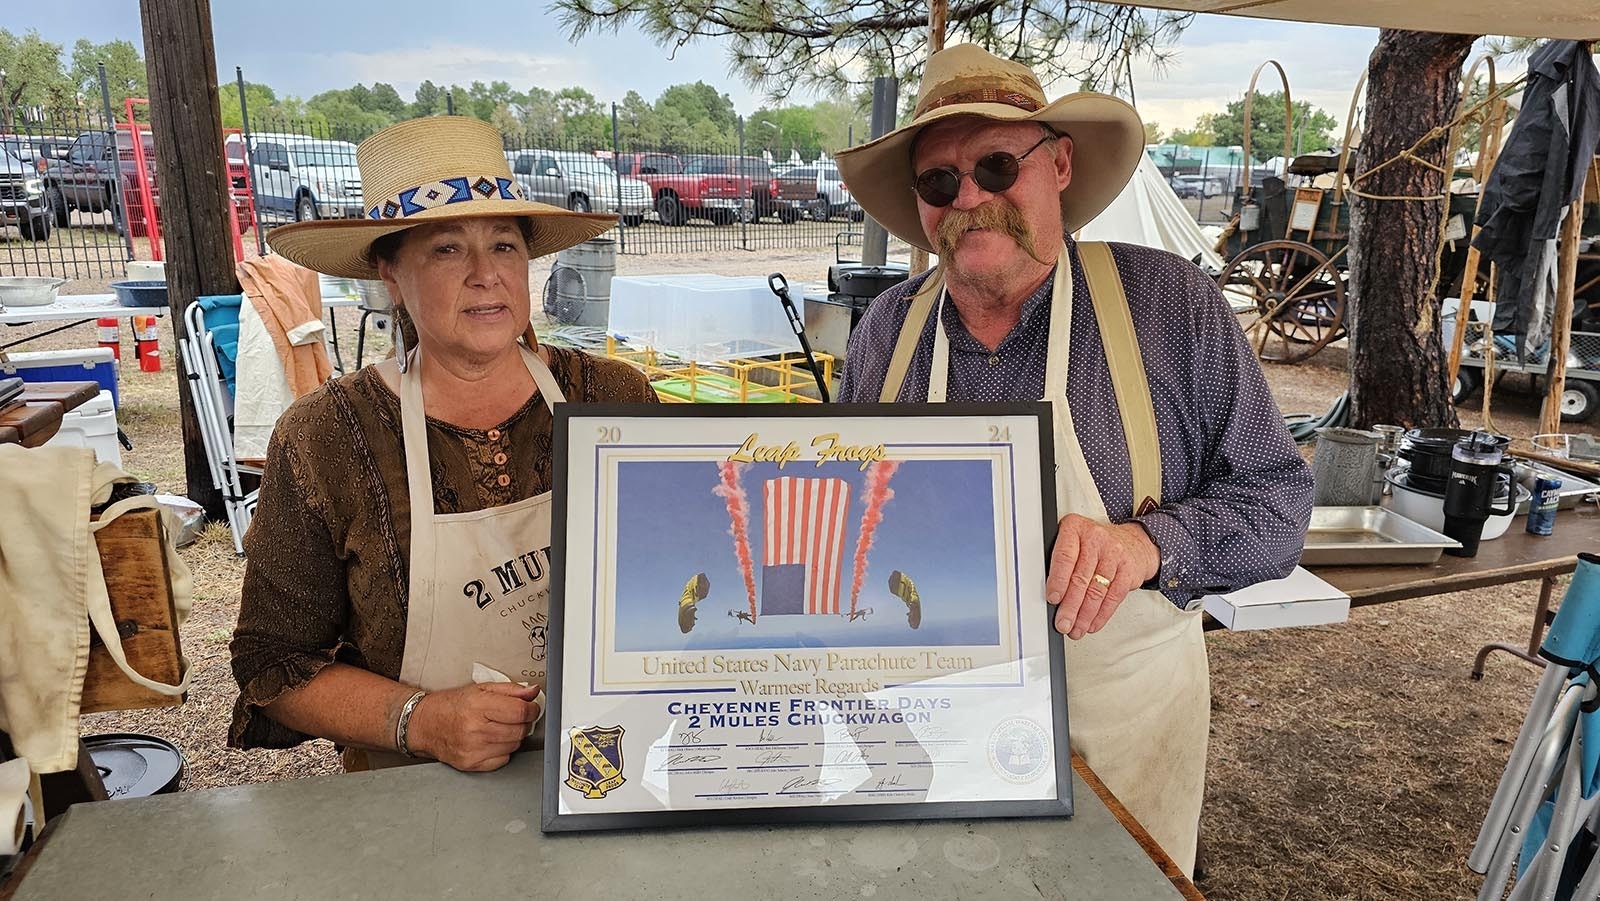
[92,425]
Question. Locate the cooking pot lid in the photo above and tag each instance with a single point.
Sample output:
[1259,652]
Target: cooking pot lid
[135,766]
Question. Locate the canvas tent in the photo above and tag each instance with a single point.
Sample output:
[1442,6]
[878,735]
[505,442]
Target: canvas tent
[1147,212]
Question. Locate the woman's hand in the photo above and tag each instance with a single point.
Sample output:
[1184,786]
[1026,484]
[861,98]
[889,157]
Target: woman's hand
[474,728]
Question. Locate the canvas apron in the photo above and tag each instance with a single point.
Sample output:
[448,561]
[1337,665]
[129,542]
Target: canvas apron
[1139,690]
[480,581]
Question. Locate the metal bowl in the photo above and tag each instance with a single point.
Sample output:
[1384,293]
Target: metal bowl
[143,293]
[29,290]
[1427,507]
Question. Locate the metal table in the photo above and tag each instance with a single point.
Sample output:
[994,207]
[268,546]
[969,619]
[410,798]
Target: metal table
[431,832]
[81,309]
[75,309]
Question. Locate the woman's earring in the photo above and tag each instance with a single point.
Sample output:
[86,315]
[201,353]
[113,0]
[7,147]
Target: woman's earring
[400,347]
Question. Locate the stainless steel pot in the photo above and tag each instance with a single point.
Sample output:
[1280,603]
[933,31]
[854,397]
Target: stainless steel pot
[28,290]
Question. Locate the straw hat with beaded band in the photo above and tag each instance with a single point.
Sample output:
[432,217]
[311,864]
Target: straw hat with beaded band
[965,80]
[429,170]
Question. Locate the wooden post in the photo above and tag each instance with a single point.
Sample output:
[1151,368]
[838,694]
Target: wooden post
[1488,151]
[938,14]
[186,120]
[1561,321]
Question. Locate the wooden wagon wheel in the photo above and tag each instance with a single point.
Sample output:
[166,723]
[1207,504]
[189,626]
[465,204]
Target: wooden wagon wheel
[1297,294]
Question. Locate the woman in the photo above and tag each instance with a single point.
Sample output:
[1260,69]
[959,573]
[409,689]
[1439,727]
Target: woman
[403,530]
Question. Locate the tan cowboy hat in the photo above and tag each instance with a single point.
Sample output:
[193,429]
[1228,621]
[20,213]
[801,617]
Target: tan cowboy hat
[966,80]
[427,170]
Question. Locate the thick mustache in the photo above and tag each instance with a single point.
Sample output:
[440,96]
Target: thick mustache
[997,216]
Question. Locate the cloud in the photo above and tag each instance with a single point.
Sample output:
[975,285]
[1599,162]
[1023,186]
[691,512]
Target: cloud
[1212,61]
[461,64]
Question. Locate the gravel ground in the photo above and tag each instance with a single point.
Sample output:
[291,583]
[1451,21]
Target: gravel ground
[1346,762]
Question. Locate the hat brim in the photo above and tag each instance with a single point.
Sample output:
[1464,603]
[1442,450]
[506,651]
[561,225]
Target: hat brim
[1107,140]
[340,247]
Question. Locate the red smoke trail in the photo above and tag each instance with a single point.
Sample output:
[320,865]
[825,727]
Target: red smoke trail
[739,518]
[877,493]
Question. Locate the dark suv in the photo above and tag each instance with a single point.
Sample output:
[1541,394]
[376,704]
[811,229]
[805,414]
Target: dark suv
[751,167]
[23,201]
[97,165]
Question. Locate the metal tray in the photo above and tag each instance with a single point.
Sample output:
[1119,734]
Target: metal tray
[1369,536]
[1573,487]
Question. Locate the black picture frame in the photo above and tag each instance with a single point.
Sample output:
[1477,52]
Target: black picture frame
[552,821]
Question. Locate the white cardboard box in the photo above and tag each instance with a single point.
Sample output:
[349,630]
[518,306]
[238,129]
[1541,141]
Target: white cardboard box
[1302,599]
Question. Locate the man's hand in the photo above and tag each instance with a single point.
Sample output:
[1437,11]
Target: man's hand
[1092,568]
[474,728]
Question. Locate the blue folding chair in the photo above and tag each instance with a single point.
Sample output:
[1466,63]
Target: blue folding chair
[1546,809]
[210,354]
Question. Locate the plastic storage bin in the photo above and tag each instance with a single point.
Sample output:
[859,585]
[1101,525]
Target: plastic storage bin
[705,318]
[94,364]
[92,425]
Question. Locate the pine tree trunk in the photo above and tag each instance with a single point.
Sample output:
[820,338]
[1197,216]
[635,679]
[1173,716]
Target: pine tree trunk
[1397,362]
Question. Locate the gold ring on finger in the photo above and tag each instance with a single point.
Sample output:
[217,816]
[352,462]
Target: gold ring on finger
[1102,581]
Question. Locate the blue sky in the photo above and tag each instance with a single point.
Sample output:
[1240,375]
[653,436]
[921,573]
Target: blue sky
[301,47]
[937,527]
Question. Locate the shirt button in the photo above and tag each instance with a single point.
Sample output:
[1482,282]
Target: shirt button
[504,480]
[994,359]
[500,459]
[494,434]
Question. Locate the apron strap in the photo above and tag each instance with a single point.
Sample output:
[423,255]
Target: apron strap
[1128,379]
[421,586]
[904,349]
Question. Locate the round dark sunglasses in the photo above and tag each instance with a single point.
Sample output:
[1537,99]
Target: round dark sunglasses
[994,172]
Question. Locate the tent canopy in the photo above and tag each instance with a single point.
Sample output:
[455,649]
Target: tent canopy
[1574,19]
[1148,212]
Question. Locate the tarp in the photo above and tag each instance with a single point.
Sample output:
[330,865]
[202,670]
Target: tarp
[1148,212]
[1573,19]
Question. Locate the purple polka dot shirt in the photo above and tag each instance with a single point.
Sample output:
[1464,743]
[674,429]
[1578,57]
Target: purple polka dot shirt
[1236,496]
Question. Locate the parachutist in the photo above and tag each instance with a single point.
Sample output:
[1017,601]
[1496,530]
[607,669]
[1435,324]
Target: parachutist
[901,586]
[694,592]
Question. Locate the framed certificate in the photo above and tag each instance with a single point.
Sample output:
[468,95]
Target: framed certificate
[776,614]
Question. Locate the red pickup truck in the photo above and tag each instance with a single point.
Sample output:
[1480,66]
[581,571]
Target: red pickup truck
[680,197]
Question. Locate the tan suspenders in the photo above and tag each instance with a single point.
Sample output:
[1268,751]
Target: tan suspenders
[1126,364]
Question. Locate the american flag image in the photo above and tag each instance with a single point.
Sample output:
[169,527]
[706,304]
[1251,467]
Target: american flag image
[803,549]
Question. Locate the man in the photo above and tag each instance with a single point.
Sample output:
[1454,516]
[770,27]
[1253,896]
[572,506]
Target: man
[1175,474]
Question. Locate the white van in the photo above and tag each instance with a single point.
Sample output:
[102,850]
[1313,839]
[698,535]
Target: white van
[300,177]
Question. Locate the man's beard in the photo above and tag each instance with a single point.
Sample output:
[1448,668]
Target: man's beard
[996,215]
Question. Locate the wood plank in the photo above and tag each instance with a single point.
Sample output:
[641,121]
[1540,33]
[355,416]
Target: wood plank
[36,423]
[136,578]
[70,395]
[1157,854]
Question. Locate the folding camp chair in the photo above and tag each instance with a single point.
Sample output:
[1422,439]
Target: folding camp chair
[210,384]
[1546,810]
